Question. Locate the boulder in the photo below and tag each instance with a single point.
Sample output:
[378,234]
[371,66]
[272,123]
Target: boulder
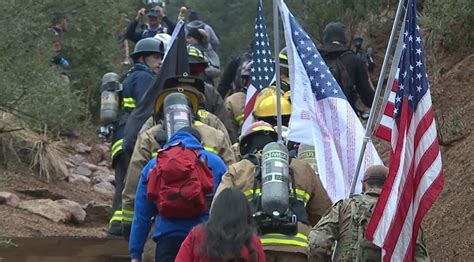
[79,180]
[97,213]
[90,166]
[99,152]
[78,215]
[83,171]
[41,193]
[105,188]
[103,174]
[82,148]
[46,208]
[105,163]
[9,199]
[78,159]
[101,177]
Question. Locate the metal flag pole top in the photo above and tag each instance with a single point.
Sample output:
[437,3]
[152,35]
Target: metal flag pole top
[368,130]
[276,44]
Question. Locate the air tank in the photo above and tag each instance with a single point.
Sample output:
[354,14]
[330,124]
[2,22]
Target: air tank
[275,179]
[307,154]
[177,112]
[109,98]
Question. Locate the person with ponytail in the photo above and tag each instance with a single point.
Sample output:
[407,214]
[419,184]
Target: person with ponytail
[227,236]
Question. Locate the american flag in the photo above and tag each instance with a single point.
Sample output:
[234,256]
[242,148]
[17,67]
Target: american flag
[415,176]
[321,115]
[262,71]
[385,121]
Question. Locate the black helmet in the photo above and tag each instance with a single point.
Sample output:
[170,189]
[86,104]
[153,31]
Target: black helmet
[334,31]
[147,45]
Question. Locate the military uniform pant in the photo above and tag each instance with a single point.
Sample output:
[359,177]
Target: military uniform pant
[277,256]
[120,167]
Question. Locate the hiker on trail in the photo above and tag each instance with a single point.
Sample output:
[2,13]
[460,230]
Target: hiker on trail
[174,217]
[213,41]
[227,236]
[60,24]
[147,58]
[151,138]
[346,222]
[284,235]
[235,103]
[199,37]
[349,71]
[155,16]
[230,80]
[214,103]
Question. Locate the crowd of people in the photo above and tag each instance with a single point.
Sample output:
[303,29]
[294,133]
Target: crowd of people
[198,188]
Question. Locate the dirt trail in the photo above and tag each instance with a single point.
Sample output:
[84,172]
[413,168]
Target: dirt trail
[449,227]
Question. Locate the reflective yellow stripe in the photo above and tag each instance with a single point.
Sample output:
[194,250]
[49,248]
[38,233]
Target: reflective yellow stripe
[301,195]
[129,102]
[198,123]
[127,215]
[117,216]
[202,113]
[240,119]
[249,193]
[195,52]
[211,149]
[283,56]
[299,239]
[154,154]
[116,147]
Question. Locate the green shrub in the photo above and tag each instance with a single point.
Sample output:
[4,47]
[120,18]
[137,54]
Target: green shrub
[447,25]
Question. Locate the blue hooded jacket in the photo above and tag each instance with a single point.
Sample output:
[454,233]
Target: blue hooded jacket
[145,210]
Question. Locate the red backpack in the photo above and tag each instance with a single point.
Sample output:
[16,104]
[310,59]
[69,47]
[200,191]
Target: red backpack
[179,183]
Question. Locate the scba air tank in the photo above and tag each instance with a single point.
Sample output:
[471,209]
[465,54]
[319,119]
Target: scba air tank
[275,179]
[109,98]
[307,154]
[177,113]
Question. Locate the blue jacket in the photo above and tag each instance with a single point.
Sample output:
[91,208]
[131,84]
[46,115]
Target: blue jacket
[145,210]
[135,84]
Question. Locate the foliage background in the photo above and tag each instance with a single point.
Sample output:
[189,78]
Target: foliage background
[32,89]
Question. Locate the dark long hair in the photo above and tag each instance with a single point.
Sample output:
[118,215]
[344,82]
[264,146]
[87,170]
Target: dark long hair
[229,227]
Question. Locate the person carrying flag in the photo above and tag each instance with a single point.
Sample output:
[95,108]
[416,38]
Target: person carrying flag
[346,222]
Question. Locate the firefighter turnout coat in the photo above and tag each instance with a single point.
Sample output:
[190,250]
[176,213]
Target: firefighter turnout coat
[147,147]
[309,190]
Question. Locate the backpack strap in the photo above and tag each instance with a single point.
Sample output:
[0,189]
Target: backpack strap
[292,178]
[257,175]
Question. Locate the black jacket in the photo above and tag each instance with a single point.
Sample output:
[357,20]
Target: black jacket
[355,68]
[230,73]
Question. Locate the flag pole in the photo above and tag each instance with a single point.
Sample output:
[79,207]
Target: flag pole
[276,44]
[368,130]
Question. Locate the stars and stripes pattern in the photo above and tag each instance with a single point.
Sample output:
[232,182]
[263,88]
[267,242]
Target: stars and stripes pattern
[321,115]
[415,176]
[263,66]
[385,122]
